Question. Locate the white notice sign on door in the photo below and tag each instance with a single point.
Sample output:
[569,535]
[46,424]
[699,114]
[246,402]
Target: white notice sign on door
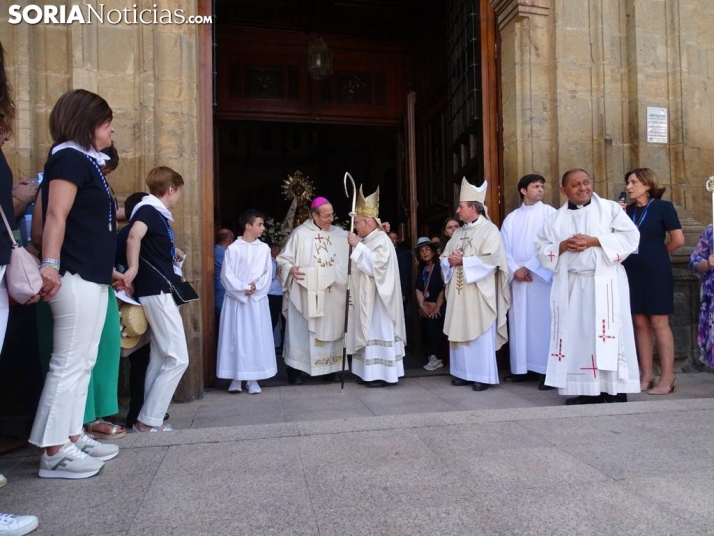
[657,125]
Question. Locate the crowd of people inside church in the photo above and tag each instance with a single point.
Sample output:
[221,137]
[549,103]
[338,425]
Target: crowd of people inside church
[328,293]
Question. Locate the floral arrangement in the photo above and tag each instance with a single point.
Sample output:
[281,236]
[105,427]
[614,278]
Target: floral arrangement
[275,232]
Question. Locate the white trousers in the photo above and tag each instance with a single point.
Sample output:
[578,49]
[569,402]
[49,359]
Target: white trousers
[78,311]
[168,359]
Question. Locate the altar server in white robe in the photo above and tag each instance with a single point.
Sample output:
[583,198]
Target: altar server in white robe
[312,268]
[477,294]
[377,332]
[529,315]
[246,351]
[592,346]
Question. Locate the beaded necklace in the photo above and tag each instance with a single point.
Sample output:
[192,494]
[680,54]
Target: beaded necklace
[106,188]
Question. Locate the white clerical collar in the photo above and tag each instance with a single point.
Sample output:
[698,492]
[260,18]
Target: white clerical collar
[531,207]
[473,223]
[254,242]
[153,201]
[100,157]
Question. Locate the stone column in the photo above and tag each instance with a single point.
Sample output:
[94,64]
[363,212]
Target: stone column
[527,92]
[148,75]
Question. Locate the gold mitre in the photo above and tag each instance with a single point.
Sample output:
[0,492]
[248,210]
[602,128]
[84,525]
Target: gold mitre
[469,192]
[367,207]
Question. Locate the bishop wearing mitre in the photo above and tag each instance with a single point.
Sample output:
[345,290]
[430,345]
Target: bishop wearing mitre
[377,332]
[477,294]
[312,267]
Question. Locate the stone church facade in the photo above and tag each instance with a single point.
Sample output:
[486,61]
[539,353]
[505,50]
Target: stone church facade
[576,80]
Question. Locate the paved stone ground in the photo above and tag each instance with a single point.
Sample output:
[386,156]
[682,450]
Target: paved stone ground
[420,458]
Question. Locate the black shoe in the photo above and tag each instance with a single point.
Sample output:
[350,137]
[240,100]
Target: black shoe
[584,399]
[519,378]
[166,417]
[611,399]
[376,384]
[543,387]
[295,380]
[478,386]
[458,382]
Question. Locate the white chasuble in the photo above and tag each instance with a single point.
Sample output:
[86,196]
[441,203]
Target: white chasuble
[314,308]
[529,315]
[592,345]
[377,331]
[245,338]
[477,299]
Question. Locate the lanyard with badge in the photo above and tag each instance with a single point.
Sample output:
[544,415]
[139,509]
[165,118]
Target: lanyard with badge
[637,222]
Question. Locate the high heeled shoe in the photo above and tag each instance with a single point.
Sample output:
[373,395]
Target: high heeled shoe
[647,386]
[664,390]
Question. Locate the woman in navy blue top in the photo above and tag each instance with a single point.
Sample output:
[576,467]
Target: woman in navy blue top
[650,276]
[431,304]
[78,244]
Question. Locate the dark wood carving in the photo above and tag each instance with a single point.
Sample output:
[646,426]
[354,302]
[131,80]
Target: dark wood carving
[293,83]
[234,80]
[354,88]
[380,89]
[264,82]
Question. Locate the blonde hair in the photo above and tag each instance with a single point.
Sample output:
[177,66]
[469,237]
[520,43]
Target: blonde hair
[161,178]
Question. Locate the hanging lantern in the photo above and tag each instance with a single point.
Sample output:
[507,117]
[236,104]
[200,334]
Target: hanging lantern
[319,59]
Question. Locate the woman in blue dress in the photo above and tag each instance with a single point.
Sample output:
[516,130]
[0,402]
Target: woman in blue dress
[650,277]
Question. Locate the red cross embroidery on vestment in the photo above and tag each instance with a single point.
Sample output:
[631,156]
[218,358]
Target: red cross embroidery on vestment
[560,355]
[593,368]
[618,259]
[551,255]
[604,336]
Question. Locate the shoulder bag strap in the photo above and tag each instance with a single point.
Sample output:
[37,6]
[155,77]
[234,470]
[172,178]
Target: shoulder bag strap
[9,230]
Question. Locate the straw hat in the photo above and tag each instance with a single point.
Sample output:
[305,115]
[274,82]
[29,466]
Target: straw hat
[133,324]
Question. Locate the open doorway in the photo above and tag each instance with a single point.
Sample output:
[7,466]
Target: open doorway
[255,157]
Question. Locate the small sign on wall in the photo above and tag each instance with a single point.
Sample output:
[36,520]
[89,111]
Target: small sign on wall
[657,129]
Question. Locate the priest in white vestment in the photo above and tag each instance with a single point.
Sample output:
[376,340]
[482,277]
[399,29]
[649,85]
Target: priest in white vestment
[529,315]
[377,332]
[477,295]
[245,336]
[312,267]
[592,350]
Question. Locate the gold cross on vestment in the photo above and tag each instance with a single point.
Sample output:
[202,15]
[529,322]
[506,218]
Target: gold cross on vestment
[466,241]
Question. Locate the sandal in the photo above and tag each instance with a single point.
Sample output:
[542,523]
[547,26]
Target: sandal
[116,431]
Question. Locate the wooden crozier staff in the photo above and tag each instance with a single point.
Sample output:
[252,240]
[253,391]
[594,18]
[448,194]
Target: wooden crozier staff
[349,273]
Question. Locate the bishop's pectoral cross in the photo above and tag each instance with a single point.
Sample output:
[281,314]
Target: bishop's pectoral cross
[466,242]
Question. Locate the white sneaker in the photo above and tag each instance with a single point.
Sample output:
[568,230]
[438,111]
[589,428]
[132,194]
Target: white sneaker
[3,481]
[69,462]
[11,525]
[101,451]
[235,386]
[253,387]
[434,363]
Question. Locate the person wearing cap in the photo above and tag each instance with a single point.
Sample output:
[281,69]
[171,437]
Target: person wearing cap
[312,267]
[529,315]
[592,352]
[430,301]
[377,332]
[477,295]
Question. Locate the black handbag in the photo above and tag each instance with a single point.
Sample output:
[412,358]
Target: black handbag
[182,292]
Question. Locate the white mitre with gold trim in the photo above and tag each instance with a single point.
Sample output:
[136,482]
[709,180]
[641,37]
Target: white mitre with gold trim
[469,192]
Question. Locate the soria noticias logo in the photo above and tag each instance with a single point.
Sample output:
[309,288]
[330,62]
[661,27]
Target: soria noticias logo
[89,14]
